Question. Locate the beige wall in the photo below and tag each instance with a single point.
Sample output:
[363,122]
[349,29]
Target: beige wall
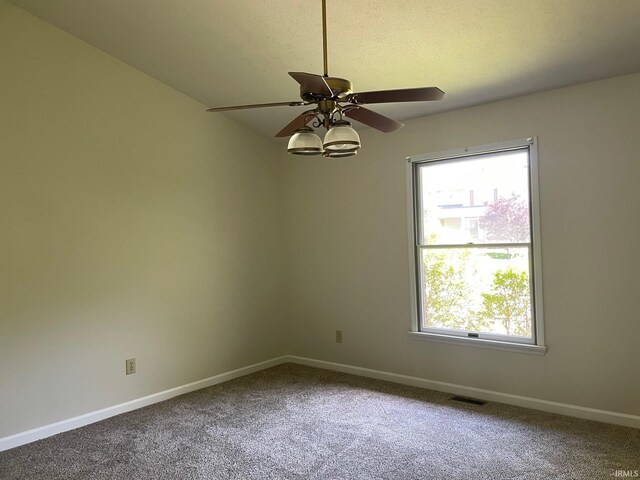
[133,225]
[348,254]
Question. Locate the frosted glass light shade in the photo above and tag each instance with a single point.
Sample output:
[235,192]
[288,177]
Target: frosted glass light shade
[341,139]
[305,142]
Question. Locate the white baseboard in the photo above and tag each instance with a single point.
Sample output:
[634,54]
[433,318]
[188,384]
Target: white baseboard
[562,408]
[616,418]
[54,428]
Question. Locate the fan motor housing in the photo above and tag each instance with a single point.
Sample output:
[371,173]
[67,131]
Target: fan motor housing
[341,87]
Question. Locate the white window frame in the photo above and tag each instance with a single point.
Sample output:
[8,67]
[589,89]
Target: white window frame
[535,345]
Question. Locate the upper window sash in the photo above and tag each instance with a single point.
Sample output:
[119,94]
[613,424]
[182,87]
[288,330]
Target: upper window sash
[442,205]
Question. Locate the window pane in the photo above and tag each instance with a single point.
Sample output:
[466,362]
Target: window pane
[480,199]
[477,289]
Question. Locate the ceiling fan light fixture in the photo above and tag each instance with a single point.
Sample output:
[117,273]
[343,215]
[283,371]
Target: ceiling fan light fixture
[305,142]
[341,139]
[328,95]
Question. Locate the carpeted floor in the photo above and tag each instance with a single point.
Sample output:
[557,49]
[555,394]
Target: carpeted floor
[295,422]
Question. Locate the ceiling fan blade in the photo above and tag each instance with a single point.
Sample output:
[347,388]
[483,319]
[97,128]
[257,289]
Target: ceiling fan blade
[296,123]
[257,105]
[403,95]
[373,119]
[312,83]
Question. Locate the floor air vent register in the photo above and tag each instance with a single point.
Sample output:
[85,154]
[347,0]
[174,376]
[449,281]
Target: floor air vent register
[473,401]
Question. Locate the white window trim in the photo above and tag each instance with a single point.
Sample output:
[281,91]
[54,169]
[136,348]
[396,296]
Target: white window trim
[539,347]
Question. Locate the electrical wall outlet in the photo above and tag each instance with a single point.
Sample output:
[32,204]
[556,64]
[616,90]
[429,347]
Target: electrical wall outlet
[130,366]
[338,336]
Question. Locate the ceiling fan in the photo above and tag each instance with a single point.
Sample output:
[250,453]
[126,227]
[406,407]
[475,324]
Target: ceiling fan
[333,99]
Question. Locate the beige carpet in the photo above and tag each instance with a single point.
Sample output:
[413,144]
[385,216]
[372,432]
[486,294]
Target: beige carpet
[294,422]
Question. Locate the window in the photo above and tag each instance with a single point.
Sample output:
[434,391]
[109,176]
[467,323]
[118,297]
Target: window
[475,246]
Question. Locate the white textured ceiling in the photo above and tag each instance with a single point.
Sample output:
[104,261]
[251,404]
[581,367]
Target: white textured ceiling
[226,52]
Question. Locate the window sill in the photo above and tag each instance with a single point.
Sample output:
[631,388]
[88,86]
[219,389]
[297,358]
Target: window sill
[479,342]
